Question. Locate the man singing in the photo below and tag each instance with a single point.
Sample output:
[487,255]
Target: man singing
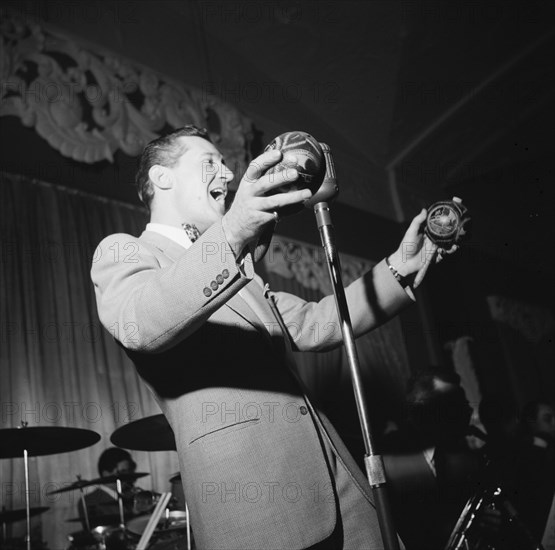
[261,468]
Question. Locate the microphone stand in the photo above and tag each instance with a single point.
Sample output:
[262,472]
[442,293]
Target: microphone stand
[373,462]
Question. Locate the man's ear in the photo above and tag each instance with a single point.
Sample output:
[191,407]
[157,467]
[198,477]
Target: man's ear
[161,176]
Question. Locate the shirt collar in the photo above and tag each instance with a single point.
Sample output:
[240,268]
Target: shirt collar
[173,233]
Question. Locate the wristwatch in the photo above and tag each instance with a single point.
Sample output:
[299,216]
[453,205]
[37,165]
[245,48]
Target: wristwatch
[403,281]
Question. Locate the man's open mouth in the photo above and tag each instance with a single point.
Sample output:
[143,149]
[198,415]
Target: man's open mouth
[218,194]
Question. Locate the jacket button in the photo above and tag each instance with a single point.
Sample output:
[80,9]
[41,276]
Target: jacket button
[220,280]
[303,409]
[207,291]
[214,285]
[225,273]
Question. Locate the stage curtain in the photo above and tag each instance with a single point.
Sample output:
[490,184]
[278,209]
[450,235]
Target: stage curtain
[58,366]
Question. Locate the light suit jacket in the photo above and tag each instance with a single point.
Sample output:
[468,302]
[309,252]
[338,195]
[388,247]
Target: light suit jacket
[250,443]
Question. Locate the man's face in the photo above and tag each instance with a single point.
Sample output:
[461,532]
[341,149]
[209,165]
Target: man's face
[442,414]
[200,183]
[123,467]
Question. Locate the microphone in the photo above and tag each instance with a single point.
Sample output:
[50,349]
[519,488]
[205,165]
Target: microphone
[311,165]
[329,188]
[316,170]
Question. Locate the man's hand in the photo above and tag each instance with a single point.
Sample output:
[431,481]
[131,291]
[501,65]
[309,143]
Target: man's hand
[251,209]
[416,252]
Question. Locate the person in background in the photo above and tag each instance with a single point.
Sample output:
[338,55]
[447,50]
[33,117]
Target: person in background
[427,459]
[503,439]
[535,472]
[102,502]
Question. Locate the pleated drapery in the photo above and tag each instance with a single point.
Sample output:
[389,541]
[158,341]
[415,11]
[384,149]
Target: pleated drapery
[60,367]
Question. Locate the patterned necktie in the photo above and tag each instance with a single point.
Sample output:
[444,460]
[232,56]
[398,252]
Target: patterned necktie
[192,232]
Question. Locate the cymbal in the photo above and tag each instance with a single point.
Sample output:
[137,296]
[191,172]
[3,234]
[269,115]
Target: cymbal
[39,441]
[81,483]
[152,433]
[9,516]
[107,519]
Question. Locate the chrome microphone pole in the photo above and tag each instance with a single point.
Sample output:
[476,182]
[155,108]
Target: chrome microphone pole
[375,470]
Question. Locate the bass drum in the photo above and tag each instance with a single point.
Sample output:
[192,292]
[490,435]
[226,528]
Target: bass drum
[179,543]
[102,538]
[174,520]
[170,534]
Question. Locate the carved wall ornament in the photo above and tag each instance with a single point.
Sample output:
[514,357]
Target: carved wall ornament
[89,103]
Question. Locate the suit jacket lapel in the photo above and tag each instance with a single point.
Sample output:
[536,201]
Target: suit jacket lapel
[173,251]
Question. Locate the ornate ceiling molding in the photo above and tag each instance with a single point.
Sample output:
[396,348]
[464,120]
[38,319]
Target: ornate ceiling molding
[307,264]
[88,103]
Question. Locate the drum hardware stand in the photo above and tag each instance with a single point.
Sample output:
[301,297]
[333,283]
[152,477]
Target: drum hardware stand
[120,504]
[188,527]
[375,470]
[27,507]
[37,441]
[85,511]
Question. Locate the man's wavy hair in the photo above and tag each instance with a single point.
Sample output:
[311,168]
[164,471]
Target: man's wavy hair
[165,151]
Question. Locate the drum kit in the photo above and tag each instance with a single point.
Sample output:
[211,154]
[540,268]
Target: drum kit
[153,520]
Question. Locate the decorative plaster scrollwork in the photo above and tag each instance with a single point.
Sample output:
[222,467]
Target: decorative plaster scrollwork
[88,104]
[307,264]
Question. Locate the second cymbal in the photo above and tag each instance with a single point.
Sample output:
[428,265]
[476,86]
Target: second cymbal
[152,433]
[81,483]
[10,516]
